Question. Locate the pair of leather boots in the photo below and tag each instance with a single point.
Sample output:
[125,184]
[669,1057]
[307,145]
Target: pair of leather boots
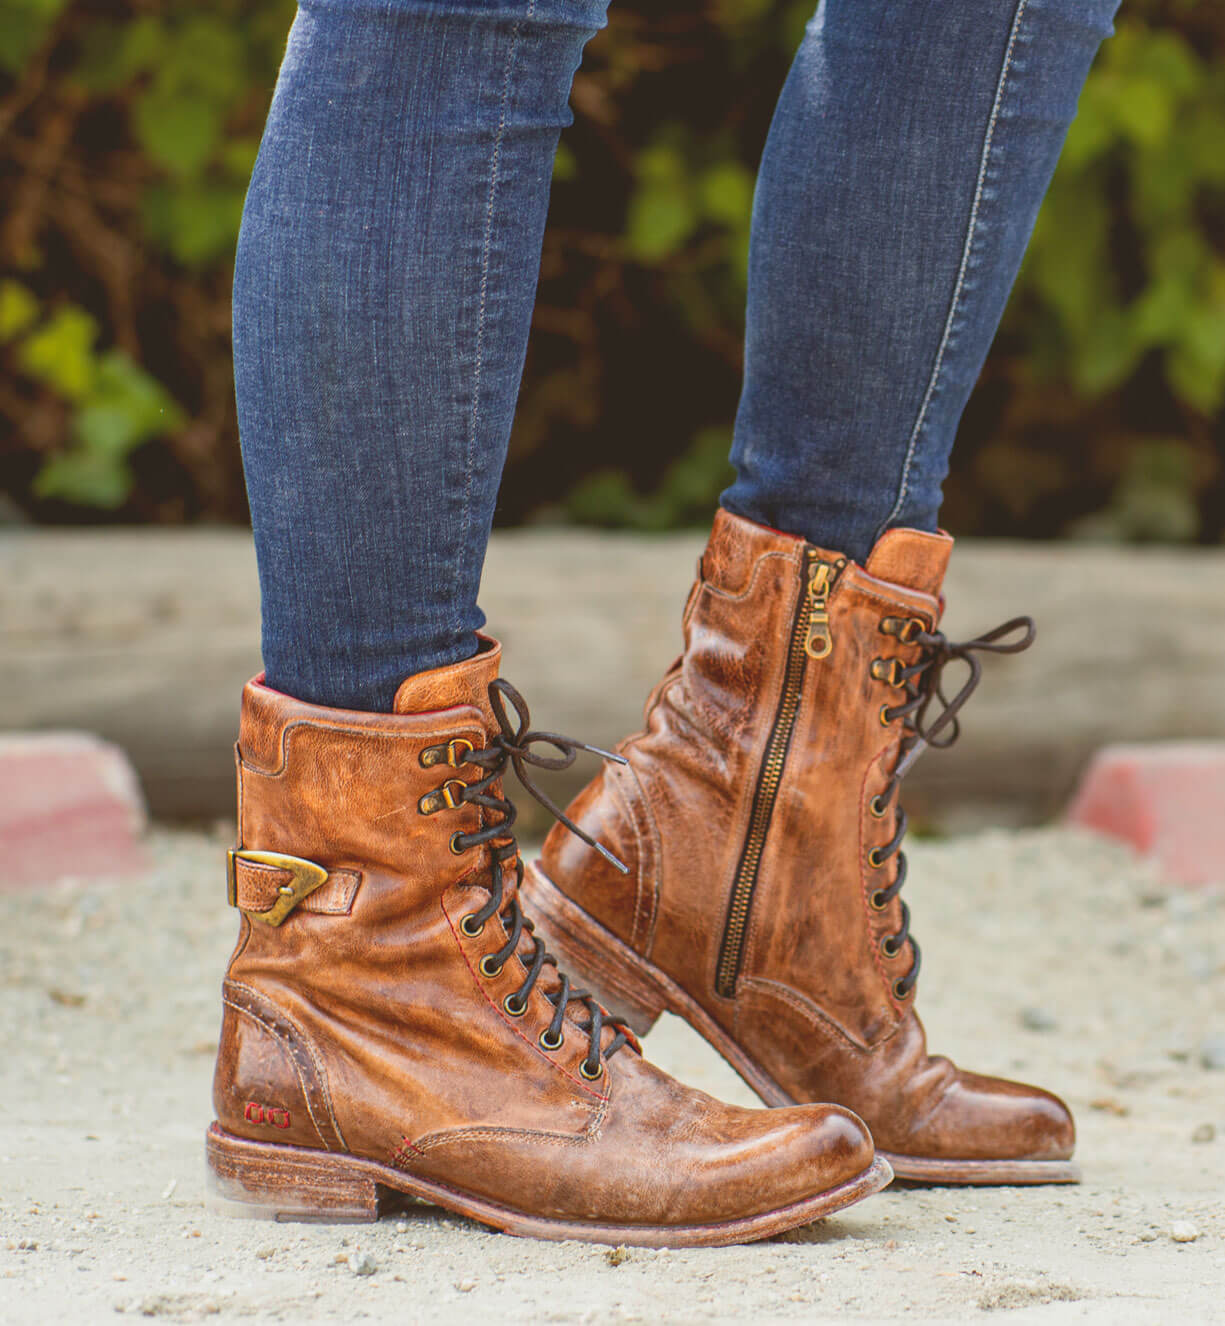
[395,1028]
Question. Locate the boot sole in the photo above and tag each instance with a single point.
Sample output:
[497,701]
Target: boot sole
[280,1182]
[636,991]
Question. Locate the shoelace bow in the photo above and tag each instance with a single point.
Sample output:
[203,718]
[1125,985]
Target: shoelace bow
[511,747]
[923,684]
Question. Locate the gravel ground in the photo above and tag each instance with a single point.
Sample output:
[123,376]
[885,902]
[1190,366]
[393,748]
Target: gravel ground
[1048,954]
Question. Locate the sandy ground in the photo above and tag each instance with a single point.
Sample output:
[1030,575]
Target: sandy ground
[1047,954]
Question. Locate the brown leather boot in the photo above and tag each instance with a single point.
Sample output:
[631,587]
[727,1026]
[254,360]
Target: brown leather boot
[759,816]
[392,1026]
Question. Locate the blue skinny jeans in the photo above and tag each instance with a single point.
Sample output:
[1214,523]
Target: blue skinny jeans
[389,255]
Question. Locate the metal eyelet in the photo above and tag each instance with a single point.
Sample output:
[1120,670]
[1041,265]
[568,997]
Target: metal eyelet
[889,948]
[489,967]
[471,931]
[549,1043]
[887,670]
[515,1006]
[877,808]
[456,850]
[448,754]
[907,629]
[444,797]
[875,860]
[591,1077]
[877,900]
[885,717]
[899,993]
[453,751]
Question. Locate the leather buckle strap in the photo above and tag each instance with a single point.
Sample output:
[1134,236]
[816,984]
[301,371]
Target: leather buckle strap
[301,879]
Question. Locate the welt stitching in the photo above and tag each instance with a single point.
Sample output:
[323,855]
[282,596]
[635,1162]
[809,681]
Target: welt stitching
[437,1140]
[959,285]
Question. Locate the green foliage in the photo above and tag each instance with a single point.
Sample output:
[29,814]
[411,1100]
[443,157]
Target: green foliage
[24,25]
[686,494]
[131,129]
[1151,131]
[116,405]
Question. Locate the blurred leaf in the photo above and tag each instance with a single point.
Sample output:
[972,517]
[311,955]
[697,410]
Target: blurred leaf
[23,26]
[125,408]
[179,132]
[60,352]
[86,479]
[1155,499]
[196,223]
[18,310]
[727,194]
[662,212]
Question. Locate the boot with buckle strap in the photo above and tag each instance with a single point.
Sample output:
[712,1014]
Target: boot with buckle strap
[758,811]
[393,1029]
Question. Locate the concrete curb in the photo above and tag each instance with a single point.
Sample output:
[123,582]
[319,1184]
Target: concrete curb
[146,636]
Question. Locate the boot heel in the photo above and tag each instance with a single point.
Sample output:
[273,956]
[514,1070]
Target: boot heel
[592,955]
[269,1182]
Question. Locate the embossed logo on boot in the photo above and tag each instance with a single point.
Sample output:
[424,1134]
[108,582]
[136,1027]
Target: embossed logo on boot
[273,1115]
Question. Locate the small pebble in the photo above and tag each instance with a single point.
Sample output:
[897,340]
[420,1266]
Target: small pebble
[1038,1019]
[1183,1231]
[361,1263]
[465,1286]
[1204,1132]
[1212,1053]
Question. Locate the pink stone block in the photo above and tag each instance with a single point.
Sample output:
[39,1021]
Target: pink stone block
[1166,798]
[70,806]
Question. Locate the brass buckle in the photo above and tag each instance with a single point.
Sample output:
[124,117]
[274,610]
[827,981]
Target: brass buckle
[307,877]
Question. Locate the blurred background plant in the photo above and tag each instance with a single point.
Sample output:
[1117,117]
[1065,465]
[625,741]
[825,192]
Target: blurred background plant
[128,129]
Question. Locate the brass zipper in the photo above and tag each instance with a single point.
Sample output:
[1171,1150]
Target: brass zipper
[810,638]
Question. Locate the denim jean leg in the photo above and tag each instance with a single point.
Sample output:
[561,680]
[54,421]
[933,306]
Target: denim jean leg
[905,165]
[385,276]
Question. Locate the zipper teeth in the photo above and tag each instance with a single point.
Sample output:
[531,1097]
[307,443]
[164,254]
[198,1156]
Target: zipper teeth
[767,788]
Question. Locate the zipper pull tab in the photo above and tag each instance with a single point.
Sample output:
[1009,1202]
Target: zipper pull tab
[819,642]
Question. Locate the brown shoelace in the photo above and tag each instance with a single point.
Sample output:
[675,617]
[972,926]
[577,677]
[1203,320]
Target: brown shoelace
[511,747]
[922,682]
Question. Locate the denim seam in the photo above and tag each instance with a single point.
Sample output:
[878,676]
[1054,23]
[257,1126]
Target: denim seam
[495,166]
[959,285]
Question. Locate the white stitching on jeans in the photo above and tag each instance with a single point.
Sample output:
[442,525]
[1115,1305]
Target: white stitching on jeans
[486,246]
[958,288]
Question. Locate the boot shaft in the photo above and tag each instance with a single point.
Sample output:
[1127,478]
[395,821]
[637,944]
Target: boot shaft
[352,790]
[749,789]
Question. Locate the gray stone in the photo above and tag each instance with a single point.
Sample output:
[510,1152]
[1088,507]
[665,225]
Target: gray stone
[362,1263]
[1038,1019]
[1212,1053]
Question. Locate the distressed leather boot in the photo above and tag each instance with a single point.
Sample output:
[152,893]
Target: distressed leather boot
[758,813]
[393,1029]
